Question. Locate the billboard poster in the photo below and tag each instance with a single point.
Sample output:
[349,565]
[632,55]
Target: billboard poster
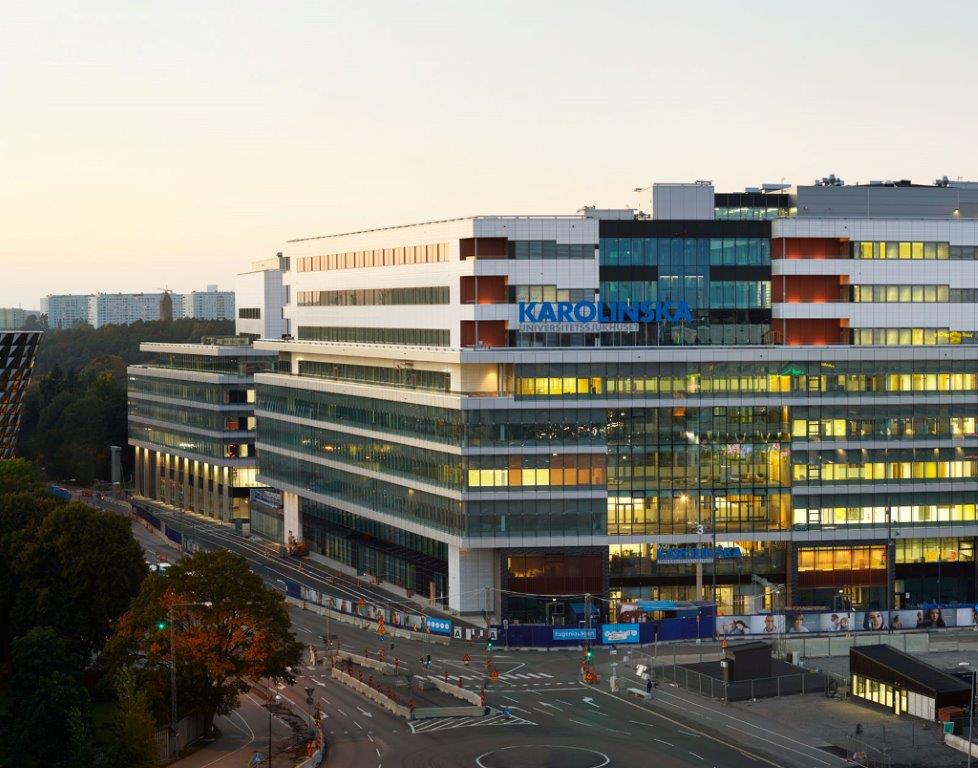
[612,634]
[767,624]
[439,626]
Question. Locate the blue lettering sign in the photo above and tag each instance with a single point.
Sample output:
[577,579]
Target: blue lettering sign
[613,634]
[692,554]
[604,312]
[574,634]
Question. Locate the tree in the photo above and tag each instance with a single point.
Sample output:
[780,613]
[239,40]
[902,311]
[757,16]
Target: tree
[132,742]
[245,633]
[45,691]
[20,515]
[19,475]
[77,573]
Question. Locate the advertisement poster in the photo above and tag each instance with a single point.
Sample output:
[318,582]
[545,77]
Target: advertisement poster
[439,626]
[563,633]
[612,634]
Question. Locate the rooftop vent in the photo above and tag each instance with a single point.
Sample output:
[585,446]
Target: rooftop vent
[830,181]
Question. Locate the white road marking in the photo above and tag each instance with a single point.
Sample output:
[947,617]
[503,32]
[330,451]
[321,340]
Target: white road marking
[781,746]
[661,741]
[342,712]
[358,725]
[579,722]
[696,756]
[589,700]
[364,712]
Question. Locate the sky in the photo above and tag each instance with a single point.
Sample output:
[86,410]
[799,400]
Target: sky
[169,144]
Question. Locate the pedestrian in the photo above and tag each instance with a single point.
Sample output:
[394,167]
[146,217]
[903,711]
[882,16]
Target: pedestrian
[429,661]
[648,687]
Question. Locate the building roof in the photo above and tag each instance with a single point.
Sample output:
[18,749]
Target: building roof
[911,667]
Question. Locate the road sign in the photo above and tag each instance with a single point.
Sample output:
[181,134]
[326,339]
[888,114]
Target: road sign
[493,635]
[457,633]
[948,727]
[494,675]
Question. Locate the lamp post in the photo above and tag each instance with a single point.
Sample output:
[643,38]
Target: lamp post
[173,662]
[271,700]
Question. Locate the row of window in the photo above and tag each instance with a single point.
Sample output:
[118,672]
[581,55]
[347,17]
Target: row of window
[908,293]
[906,551]
[537,470]
[549,249]
[415,337]
[879,516]
[685,252]
[872,471]
[238,365]
[200,418]
[526,293]
[592,386]
[374,297]
[205,446]
[892,337]
[410,378]
[249,313]
[214,394]
[740,294]
[751,213]
[903,250]
[842,429]
[380,257]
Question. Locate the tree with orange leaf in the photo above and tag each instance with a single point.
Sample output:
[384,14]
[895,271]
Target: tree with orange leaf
[227,627]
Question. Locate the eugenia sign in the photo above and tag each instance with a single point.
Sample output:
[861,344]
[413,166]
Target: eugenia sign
[595,317]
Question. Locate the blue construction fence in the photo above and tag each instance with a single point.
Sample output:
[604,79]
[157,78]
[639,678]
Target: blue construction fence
[695,624]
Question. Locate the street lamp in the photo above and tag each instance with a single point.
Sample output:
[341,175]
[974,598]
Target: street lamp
[271,700]
[173,661]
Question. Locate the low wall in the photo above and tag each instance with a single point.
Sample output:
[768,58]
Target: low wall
[839,645]
[381,666]
[962,745]
[420,713]
[398,710]
[362,623]
[453,690]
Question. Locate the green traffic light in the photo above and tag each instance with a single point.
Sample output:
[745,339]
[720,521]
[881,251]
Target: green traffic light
[161,625]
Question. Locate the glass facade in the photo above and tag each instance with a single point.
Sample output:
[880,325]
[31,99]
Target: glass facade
[418,337]
[374,297]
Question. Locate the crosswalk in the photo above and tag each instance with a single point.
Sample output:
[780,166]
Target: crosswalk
[449,723]
[505,677]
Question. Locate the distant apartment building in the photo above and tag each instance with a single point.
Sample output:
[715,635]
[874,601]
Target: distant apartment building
[211,304]
[102,309]
[65,310]
[192,425]
[14,318]
[17,352]
[260,297]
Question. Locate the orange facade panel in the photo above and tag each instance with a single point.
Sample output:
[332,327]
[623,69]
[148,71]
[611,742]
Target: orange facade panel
[818,332]
[491,333]
[810,248]
[809,289]
[483,248]
[490,289]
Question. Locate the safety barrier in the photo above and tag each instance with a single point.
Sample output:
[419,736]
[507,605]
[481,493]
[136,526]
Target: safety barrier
[381,666]
[398,710]
[453,690]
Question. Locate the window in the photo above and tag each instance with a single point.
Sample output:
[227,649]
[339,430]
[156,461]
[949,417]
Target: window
[249,313]
[373,297]
[427,337]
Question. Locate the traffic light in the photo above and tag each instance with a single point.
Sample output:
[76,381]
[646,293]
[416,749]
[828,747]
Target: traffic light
[489,645]
[590,653]
[161,625]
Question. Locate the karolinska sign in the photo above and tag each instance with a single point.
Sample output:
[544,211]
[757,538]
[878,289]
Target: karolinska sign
[599,316]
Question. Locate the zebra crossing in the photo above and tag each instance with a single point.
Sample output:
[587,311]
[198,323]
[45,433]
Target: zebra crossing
[506,677]
[447,723]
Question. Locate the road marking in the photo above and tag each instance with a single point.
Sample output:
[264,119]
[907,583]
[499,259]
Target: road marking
[780,746]
[548,704]
[589,700]
[364,712]
[358,725]
[544,712]
[480,764]
[661,741]
[377,750]
[564,702]
[588,725]
[510,698]
[676,722]
[370,737]
[342,712]
[696,756]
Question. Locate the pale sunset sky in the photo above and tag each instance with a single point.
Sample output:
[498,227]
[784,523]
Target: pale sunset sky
[149,144]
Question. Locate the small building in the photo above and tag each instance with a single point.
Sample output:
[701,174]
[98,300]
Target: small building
[903,683]
[747,661]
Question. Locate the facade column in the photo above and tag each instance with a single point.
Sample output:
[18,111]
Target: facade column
[291,519]
[470,572]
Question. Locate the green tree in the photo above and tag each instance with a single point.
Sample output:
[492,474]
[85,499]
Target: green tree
[132,742]
[245,633]
[19,475]
[20,516]
[77,574]
[45,691]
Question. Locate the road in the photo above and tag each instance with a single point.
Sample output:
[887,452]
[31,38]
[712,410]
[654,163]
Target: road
[554,719]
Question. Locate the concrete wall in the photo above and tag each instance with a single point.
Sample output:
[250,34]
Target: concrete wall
[398,710]
[453,690]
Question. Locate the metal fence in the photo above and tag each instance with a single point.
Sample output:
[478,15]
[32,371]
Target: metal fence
[760,688]
[169,743]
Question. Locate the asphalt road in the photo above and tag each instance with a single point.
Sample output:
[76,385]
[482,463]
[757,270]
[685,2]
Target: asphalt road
[554,719]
